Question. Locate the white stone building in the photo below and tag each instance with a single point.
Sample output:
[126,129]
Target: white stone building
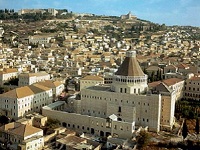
[128,16]
[167,103]
[22,136]
[89,124]
[52,11]
[192,88]
[1,32]
[56,86]
[7,74]
[39,39]
[90,80]
[31,78]
[119,108]
[174,84]
[73,69]
[24,100]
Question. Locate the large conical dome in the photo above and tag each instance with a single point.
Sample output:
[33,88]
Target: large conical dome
[130,78]
[130,66]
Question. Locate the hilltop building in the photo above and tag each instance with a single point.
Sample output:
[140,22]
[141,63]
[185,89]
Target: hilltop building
[52,11]
[118,109]
[128,16]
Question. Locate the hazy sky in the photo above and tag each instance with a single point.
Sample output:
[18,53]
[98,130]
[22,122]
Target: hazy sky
[170,12]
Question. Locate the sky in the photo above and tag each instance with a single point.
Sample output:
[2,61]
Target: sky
[169,12]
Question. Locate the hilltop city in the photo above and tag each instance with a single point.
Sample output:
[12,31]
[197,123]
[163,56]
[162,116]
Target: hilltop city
[92,82]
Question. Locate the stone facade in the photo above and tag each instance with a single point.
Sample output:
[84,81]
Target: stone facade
[90,81]
[31,78]
[90,124]
[7,74]
[21,101]
[192,88]
[119,108]
[22,136]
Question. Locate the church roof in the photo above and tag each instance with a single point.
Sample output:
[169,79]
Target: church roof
[130,66]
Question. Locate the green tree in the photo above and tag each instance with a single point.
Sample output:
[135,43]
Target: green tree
[4,120]
[152,76]
[53,123]
[1,90]
[158,74]
[50,125]
[142,139]
[14,81]
[191,114]
[145,71]
[197,126]
[184,130]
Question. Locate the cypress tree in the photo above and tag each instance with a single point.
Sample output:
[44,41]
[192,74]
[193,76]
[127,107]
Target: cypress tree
[184,130]
[197,126]
[158,75]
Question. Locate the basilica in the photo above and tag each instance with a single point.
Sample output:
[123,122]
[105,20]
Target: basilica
[120,108]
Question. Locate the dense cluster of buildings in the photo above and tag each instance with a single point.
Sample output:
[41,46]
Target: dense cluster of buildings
[120,92]
[120,108]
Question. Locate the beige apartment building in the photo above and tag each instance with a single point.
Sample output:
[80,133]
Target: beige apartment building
[192,88]
[7,74]
[56,86]
[25,100]
[167,103]
[174,84]
[31,78]
[21,136]
[90,80]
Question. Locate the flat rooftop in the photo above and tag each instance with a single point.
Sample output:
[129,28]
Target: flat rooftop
[53,105]
[100,88]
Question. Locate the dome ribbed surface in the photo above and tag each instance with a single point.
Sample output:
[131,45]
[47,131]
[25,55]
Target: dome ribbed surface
[130,67]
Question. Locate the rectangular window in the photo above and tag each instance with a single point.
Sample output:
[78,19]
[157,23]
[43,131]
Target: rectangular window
[119,109]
